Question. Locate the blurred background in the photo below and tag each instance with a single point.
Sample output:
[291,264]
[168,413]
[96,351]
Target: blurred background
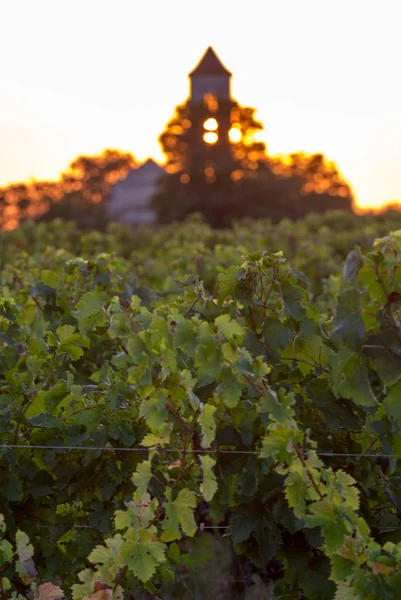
[90,91]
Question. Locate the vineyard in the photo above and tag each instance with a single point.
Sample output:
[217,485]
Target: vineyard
[195,413]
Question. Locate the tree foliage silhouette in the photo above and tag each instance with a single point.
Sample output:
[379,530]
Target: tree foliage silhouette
[87,187]
[176,139]
[81,194]
[255,186]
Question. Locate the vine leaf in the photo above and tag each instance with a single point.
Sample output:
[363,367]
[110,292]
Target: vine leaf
[142,477]
[90,311]
[71,342]
[393,404]
[209,485]
[143,556]
[24,566]
[49,591]
[179,513]
[228,327]
[208,424]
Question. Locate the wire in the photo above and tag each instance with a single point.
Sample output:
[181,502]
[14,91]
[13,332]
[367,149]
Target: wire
[181,450]
[201,527]
[112,449]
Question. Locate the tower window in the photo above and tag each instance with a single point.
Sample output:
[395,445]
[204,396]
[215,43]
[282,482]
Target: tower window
[210,137]
[210,124]
[211,102]
[235,135]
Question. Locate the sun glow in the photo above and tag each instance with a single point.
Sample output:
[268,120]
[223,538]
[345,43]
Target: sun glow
[210,124]
[210,137]
[48,118]
[235,135]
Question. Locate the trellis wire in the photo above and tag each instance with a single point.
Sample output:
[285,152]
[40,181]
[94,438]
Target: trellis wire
[202,527]
[183,450]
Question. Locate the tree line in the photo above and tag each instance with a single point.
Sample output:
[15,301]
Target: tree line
[252,185]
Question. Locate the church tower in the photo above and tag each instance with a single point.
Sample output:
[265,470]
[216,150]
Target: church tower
[210,105]
[210,76]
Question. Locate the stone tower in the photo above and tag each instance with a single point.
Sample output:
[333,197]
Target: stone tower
[210,106]
[210,76]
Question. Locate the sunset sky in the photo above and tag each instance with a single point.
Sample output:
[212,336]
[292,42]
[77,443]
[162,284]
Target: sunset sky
[79,76]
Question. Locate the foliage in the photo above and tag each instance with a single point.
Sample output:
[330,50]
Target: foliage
[177,140]
[80,194]
[202,371]
[225,182]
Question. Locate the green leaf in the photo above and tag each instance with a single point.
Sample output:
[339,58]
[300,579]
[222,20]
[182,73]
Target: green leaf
[161,438]
[348,326]
[309,353]
[345,486]
[110,553]
[142,477]
[292,298]
[242,524]
[392,404]
[227,282]
[230,389]
[208,424]
[71,342]
[345,592]
[138,514]
[209,485]
[143,557]
[334,538]
[350,378]
[277,443]
[48,401]
[153,409]
[24,548]
[179,513]
[90,311]
[323,512]
[6,552]
[229,327]
[278,409]
[189,383]
[341,568]
[24,565]
[296,490]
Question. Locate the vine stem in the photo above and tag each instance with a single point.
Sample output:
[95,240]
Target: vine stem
[258,335]
[179,418]
[309,474]
[120,577]
[305,362]
[3,591]
[198,297]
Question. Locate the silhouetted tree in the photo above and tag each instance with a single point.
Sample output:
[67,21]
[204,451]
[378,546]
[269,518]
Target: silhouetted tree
[81,194]
[178,137]
[86,188]
[238,179]
[314,174]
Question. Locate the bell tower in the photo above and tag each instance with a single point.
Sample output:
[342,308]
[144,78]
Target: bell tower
[210,105]
[210,76]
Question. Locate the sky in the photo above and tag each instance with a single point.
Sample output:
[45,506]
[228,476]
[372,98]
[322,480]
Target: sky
[79,76]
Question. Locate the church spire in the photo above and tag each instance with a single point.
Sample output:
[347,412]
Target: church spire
[210,77]
[210,64]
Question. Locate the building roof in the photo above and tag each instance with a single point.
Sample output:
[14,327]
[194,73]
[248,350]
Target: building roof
[149,167]
[210,64]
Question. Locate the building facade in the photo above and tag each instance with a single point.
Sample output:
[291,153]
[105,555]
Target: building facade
[130,198]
